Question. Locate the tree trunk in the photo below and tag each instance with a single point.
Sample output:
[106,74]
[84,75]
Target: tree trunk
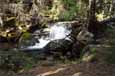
[92,21]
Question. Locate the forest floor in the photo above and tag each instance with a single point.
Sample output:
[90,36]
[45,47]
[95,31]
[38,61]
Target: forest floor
[103,66]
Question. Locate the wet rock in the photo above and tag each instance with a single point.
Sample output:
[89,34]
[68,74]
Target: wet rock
[84,36]
[77,49]
[3,39]
[58,47]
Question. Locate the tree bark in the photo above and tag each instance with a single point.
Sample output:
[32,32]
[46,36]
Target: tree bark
[92,21]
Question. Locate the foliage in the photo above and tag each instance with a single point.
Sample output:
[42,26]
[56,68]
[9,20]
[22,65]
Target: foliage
[88,54]
[14,60]
[71,10]
[61,10]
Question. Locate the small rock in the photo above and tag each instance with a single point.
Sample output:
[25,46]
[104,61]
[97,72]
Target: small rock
[77,74]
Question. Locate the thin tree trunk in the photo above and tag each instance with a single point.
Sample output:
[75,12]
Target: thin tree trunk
[112,8]
[92,21]
[92,11]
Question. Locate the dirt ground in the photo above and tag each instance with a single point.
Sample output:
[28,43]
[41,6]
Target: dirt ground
[81,69]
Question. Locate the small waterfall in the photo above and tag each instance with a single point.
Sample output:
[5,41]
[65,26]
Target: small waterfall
[58,32]
[54,32]
[1,22]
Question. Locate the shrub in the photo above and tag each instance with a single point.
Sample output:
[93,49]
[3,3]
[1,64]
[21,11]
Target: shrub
[13,60]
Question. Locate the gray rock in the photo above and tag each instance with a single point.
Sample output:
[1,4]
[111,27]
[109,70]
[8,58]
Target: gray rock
[58,47]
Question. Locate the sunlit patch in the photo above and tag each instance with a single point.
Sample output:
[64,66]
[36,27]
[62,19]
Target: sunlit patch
[101,16]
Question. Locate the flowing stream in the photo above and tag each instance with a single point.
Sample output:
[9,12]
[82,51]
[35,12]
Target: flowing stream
[54,31]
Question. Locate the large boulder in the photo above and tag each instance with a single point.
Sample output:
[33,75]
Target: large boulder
[58,47]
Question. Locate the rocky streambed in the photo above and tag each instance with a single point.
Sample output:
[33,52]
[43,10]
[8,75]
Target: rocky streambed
[60,38]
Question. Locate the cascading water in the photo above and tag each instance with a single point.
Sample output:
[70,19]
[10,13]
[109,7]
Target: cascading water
[55,31]
[1,22]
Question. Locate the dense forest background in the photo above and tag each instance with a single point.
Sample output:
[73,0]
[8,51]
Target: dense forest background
[26,13]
